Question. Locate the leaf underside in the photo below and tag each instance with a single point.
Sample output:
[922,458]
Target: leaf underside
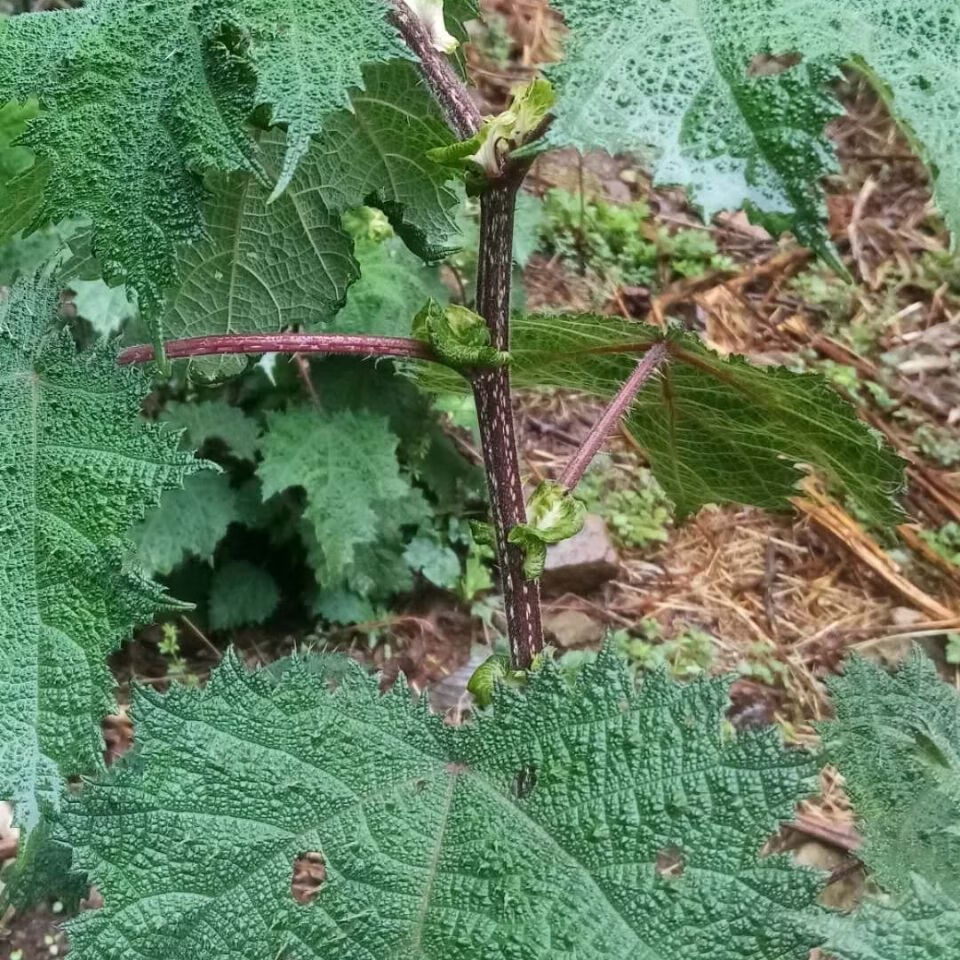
[896,741]
[715,430]
[140,99]
[679,83]
[77,468]
[539,831]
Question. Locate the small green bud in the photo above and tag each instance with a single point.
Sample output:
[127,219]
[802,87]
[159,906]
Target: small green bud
[493,671]
[459,337]
[553,515]
[485,150]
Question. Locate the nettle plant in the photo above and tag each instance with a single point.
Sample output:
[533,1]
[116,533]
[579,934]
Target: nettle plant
[212,148]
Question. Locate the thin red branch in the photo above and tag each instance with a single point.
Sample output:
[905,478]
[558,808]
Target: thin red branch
[451,93]
[349,344]
[602,429]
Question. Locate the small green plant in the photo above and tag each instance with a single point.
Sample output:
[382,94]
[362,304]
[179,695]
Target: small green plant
[761,663]
[686,653]
[169,648]
[945,542]
[620,242]
[638,514]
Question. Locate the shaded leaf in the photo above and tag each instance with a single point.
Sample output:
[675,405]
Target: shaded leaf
[241,594]
[215,419]
[375,153]
[347,465]
[393,286]
[188,522]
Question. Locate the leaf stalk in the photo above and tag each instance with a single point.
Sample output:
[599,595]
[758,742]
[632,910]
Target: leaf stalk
[645,369]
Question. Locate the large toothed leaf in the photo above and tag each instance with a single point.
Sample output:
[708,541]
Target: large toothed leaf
[672,81]
[592,821]
[265,267]
[375,154]
[135,105]
[140,99]
[272,266]
[680,83]
[715,430]
[77,468]
[346,462]
[305,55]
[896,741]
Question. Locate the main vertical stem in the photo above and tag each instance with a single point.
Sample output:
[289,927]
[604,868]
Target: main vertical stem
[491,390]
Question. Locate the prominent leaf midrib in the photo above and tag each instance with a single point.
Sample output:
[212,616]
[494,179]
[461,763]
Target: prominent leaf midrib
[235,261]
[295,200]
[416,938]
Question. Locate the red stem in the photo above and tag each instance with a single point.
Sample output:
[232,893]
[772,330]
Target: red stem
[491,391]
[579,462]
[461,112]
[350,344]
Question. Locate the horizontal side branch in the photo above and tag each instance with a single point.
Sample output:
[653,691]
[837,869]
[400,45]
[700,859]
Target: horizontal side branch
[347,344]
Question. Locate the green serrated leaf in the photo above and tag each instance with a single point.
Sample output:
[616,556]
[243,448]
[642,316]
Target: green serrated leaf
[77,468]
[242,594]
[188,522]
[923,926]
[375,153]
[715,430]
[215,419]
[265,268]
[125,146]
[896,742]
[305,56]
[909,50]
[346,463]
[474,841]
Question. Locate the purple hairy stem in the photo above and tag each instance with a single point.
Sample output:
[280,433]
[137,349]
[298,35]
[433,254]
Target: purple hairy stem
[602,429]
